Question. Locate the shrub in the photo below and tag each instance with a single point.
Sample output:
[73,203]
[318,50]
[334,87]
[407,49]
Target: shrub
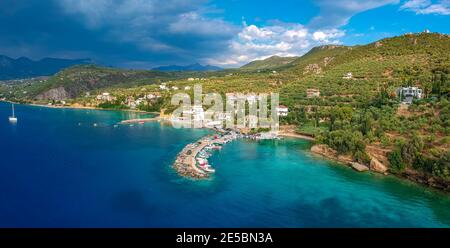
[395,159]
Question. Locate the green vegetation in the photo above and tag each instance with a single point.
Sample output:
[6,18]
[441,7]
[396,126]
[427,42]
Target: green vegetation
[274,62]
[357,109]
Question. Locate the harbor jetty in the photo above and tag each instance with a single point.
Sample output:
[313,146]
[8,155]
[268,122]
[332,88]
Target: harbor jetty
[192,161]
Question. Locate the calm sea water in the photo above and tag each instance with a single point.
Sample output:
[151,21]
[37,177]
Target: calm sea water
[58,170]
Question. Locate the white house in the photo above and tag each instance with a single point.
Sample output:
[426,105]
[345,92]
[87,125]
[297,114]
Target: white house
[105,96]
[187,88]
[150,96]
[349,75]
[174,88]
[198,113]
[408,94]
[282,110]
[163,86]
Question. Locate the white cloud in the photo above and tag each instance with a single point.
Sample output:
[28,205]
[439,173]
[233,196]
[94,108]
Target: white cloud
[281,39]
[327,36]
[425,7]
[335,14]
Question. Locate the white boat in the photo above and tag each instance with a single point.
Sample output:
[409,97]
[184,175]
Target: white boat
[208,169]
[13,118]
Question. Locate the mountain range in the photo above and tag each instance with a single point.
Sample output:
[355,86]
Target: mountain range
[25,68]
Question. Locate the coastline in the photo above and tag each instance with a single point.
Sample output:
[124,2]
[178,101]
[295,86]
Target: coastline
[411,176]
[296,135]
[79,107]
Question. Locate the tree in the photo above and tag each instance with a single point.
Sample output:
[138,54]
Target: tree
[395,159]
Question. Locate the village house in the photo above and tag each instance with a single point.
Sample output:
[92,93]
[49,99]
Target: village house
[150,96]
[187,88]
[198,113]
[282,110]
[349,75]
[224,116]
[408,94]
[163,86]
[311,93]
[105,96]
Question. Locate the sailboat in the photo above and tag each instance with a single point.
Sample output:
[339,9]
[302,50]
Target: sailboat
[13,118]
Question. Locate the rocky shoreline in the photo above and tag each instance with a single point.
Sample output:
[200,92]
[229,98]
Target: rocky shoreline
[326,151]
[378,167]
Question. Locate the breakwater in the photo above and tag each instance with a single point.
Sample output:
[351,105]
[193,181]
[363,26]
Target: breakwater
[192,161]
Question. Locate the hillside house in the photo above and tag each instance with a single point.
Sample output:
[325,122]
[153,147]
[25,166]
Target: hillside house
[282,110]
[311,93]
[348,75]
[163,86]
[105,96]
[408,94]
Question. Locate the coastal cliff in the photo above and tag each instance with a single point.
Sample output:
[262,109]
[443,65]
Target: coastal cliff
[56,94]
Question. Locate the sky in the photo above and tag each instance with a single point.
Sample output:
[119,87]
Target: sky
[143,34]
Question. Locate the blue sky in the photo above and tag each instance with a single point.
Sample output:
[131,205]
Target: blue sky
[148,33]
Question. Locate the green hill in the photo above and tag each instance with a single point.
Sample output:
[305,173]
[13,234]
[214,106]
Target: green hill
[78,80]
[273,62]
[409,59]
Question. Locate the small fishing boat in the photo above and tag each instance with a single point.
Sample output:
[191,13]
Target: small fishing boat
[209,169]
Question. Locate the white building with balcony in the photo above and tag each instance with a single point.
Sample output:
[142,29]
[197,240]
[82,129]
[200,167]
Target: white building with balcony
[408,94]
[282,110]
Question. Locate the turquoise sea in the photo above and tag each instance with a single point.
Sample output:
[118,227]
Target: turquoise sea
[58,170]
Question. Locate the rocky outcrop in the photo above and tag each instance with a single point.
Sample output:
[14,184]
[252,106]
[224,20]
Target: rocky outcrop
[330,153]
[312,68]
[56,94]
[324,150]
[358,167]
[377,166]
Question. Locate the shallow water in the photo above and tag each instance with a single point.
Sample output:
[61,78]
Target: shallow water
[58,170]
